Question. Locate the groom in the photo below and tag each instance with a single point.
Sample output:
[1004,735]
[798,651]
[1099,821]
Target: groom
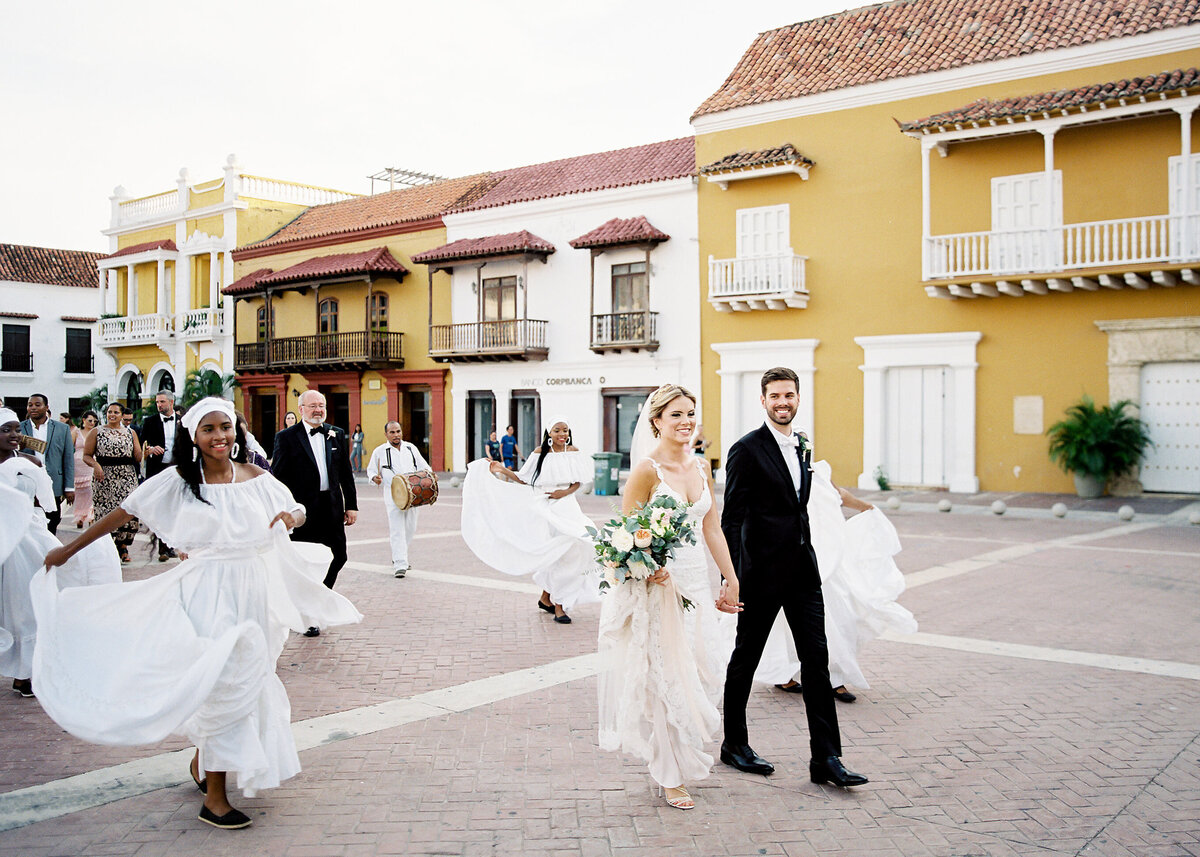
[765,521]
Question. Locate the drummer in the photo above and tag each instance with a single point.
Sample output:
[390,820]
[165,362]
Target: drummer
[397,457]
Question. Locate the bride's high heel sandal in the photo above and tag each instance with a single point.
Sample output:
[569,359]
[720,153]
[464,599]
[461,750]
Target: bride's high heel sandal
[678,798]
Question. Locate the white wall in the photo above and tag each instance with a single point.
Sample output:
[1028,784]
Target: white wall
[48,343]
[558,292]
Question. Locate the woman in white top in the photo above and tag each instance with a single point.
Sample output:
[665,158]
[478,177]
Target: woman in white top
[542,532]
[194,652]
[664,667]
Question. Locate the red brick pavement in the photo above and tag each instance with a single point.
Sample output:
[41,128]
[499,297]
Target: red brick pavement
[968,754]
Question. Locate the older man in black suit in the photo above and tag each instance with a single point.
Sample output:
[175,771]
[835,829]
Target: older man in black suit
[312,459]
[158,444]
[765,521]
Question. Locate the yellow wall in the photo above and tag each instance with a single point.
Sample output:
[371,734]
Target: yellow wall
[263,219]
[214,226]
[858,219]
[161,233]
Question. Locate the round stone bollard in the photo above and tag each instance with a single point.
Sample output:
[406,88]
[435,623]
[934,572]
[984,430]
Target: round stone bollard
[1125,513]
[1059,510]
[944,506]
[455,482]
[998,508]
[893,503]
[1194,517]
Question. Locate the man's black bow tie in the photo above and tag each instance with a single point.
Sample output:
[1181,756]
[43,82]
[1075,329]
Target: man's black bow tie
[321,429]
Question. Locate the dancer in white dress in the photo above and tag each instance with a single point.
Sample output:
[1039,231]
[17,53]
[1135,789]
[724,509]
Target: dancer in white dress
[24,540]
[194,649]
[542,531]
[664,667]
[859,585]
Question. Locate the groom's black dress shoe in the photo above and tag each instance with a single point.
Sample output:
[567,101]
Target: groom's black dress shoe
[742,757]
[831,770]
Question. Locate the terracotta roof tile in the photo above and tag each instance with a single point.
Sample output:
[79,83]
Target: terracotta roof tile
[86,319]
[382,209]
[380,260]
[907,37]
[247,284]
[785,154]
[20,263]
[633,230]
[18,315]
[492,245]
[168,244]
[636,165]
[985,109]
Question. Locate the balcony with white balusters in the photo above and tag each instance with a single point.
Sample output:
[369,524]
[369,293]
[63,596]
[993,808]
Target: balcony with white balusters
[773,281]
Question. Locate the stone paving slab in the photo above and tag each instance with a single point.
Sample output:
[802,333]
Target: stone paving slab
[969,753]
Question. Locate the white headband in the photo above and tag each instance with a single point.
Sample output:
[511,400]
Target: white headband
[553,421]
[8,415]
[204,407]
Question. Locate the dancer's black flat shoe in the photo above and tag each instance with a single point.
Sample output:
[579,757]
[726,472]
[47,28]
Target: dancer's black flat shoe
[791,688]
[232,820]
[831,770]
[843,695]
[23,687]
[742,757]
[313,632]
[564,619]
[203,785]
[549,608]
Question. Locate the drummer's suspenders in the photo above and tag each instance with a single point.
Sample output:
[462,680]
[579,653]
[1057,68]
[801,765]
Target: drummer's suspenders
[389,458]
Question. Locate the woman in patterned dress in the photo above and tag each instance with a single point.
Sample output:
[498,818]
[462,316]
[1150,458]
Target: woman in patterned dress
[83,474]
[113,453]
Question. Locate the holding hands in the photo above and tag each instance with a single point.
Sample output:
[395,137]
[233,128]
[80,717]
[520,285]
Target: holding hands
[727,600]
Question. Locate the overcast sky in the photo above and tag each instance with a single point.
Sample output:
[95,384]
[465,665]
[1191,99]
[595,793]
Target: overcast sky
[96,94]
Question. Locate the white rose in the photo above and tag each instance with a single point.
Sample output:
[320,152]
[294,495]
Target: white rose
[638,570]
[622,540]
[659,528]
[642,538]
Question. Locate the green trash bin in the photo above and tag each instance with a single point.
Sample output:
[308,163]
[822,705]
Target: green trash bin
[608,465]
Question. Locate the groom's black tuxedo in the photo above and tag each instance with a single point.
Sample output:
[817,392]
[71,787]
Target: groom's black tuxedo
[765,521]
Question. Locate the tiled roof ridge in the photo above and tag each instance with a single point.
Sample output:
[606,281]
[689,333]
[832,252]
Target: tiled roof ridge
[489,245]
[1058,100]
[783,153]
[629,230]
[163,244]
[49,266]
[910,37]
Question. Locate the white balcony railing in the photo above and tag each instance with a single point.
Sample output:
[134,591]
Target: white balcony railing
[149,207]
[284,191]
[130,329]
[774,281]
[1074,246]
[200,323]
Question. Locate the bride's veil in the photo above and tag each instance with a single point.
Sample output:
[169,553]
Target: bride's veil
[643,435]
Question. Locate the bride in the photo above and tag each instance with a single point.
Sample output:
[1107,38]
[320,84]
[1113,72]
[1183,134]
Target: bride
[663,666]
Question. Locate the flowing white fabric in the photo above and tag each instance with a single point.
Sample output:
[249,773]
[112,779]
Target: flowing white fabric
[191,651]
[24,543]
[518,530]
[859,583]
[662,667]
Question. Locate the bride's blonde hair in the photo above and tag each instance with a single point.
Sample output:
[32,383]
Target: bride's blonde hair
[662,397]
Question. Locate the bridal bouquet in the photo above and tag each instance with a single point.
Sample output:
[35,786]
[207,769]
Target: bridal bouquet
[635,546]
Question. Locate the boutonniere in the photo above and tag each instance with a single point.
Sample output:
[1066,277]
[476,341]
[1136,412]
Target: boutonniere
[805,443]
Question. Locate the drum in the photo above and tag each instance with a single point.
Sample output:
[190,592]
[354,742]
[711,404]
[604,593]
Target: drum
[410,490]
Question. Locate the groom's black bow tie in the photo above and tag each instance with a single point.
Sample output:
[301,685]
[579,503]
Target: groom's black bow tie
[321,429]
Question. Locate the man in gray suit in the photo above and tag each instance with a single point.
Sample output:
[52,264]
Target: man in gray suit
[59,457]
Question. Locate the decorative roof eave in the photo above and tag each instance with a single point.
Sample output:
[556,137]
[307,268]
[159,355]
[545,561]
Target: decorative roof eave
[783,159]
[1024,114]
[491,248]
[248,284]
[150,251]
[723,179]
[632,231]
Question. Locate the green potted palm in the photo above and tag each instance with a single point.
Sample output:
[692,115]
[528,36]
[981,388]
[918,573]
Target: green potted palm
[1097,443]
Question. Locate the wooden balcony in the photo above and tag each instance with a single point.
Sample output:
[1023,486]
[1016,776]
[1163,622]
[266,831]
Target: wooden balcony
[356,350]
[481,341]
[620,331]
[772,281]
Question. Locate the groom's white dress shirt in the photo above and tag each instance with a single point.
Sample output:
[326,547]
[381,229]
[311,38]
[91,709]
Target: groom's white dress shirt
[788,444]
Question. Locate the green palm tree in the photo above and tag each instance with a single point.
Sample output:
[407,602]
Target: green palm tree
[206,382]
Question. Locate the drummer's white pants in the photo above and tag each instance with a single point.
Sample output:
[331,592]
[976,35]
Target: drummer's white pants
[402,526]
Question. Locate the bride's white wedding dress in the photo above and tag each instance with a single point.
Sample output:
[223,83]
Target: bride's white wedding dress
[663,666]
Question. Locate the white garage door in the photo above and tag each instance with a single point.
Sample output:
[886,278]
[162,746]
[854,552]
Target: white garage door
[916,426]
[1171,408]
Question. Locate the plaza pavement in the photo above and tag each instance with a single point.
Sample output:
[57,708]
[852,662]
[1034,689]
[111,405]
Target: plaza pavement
[1050,704]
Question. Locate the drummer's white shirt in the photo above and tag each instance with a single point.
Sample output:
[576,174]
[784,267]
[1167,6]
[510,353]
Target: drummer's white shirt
[405,459]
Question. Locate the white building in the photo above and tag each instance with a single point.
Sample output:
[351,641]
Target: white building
[48,318]
[573,293]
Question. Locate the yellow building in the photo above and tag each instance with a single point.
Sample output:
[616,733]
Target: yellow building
[953,220]
[162,312]
[333,302]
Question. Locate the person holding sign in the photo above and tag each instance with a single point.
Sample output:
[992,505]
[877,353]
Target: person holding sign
[395,458]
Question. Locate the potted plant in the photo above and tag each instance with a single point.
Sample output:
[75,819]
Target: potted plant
[1097,443]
